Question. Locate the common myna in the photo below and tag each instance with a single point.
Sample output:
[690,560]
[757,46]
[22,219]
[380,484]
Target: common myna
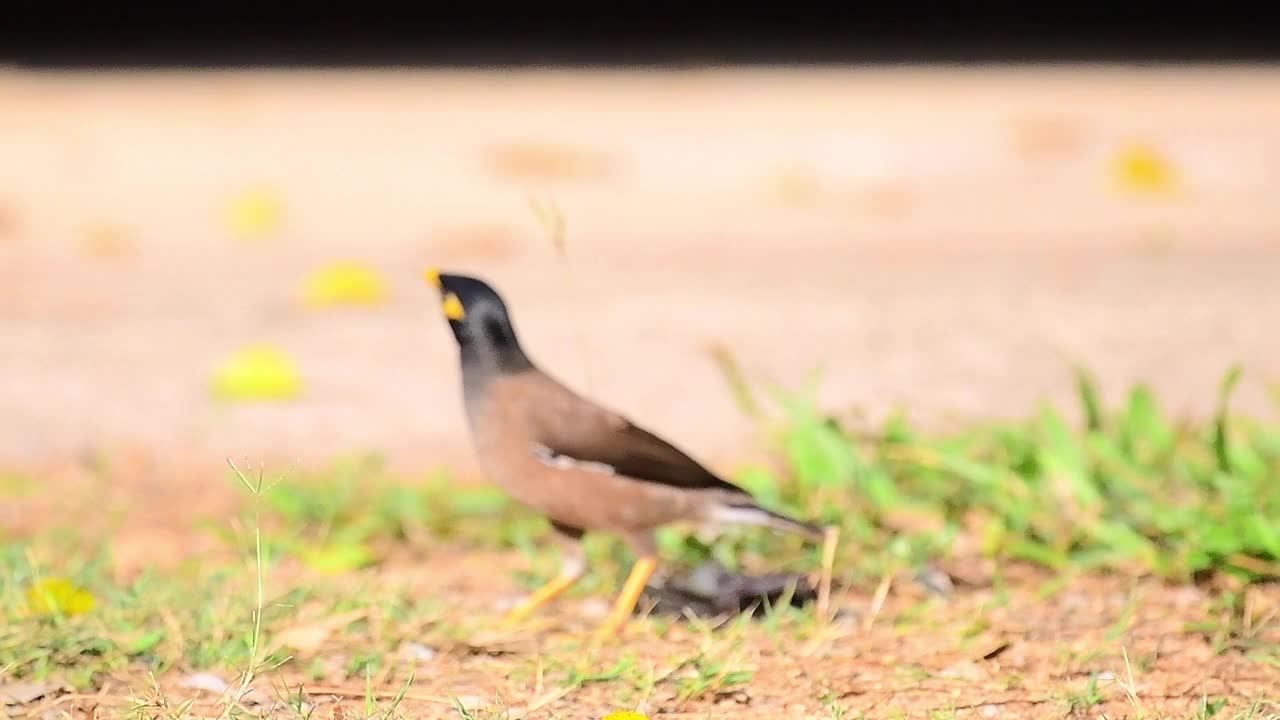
[583,466]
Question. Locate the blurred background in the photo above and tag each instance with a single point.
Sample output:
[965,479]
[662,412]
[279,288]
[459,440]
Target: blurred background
[212,245]
[226,261]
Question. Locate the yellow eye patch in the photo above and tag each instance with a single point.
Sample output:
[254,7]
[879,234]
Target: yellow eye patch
[453,307]
[433,276]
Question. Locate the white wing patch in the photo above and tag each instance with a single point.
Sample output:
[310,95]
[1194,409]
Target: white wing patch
[725,515]
[555,460]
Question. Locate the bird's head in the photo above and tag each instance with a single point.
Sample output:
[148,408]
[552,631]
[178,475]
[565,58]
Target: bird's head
[478,318]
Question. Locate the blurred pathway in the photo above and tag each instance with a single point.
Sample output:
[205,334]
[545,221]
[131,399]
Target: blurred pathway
[945,242]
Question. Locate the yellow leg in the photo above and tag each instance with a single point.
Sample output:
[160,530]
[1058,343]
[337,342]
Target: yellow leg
[573,564]
[540,597]
[545,593]
[627,599]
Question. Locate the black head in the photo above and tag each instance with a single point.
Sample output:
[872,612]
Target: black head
[480,322]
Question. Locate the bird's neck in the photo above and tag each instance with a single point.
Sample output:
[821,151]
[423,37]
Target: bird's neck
[487,360]
[480,368]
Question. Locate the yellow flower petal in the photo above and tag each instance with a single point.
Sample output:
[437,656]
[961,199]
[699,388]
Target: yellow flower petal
[1143,169]
[254,213]
[257,372]
[345,284]
[59,596]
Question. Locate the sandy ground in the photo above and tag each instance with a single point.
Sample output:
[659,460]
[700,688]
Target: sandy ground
[942,240]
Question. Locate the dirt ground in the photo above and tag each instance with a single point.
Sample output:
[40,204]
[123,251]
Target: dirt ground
[1097,648]
[1027,646]
[941,240]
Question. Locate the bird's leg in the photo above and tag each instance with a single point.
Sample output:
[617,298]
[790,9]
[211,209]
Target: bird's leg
[630,595]
[548,592]
[573,565]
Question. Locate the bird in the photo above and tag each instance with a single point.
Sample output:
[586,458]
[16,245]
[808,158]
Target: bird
[584,466]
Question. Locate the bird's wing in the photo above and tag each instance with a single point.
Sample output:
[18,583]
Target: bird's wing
[571,427]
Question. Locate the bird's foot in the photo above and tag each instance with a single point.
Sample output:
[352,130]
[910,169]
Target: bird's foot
[514,618]
[609,630]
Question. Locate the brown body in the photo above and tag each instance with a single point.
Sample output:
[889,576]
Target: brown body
[581,465]
[519,416]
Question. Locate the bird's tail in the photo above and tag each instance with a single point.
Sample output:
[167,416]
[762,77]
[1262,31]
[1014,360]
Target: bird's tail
[744,514]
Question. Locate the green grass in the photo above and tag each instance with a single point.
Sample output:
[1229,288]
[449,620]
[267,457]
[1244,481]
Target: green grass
[202,618]
[1129,490]
[351,514]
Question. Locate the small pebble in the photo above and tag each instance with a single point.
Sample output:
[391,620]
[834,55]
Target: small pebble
[205,681]
[21,693]
[935,581]
[419,652]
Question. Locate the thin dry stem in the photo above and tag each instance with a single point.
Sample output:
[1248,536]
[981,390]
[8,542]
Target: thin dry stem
[831,537]
[877,602]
